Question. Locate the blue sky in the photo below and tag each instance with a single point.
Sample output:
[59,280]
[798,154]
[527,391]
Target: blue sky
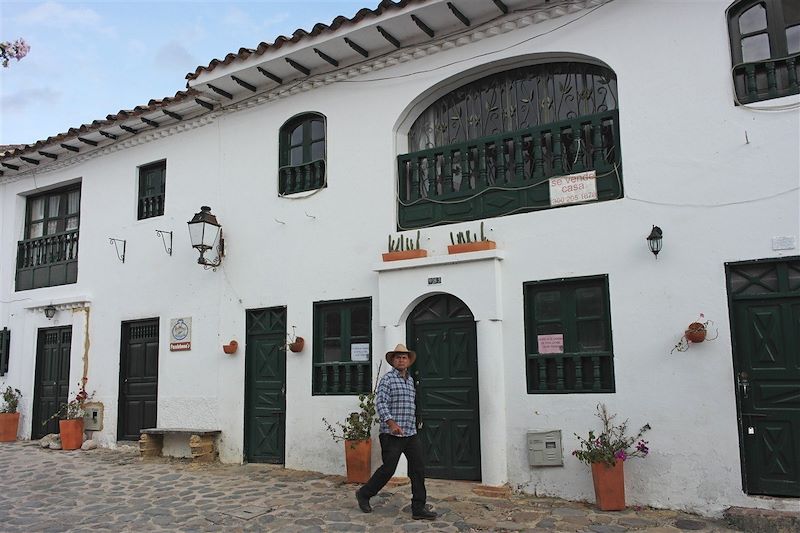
[91,59]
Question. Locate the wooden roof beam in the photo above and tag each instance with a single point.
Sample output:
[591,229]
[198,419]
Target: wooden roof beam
[424,27]
[87,141]
[70,148]
[248,86]
[48,154]
[172,114]
[9,165]
[29,160]
[270,75]
[501,6]
[297,66]
[128,129]
[326,57]
[389,37]
[221,92]
[149,122]
[107,135]
[355,47]
[207,105]
[458,14]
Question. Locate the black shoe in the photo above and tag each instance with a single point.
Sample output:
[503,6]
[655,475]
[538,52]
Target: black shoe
[423,514]
[363,503]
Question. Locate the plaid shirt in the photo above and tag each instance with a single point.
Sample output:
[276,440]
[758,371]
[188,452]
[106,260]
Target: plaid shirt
[395,401]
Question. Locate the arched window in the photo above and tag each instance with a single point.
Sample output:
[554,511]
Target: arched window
[498,145]
[302,154]
[765,48]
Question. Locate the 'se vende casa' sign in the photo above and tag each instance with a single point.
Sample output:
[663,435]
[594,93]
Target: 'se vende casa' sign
[574,188]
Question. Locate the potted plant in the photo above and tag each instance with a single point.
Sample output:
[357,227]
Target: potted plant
[9,417]
[404,248]
[606,452]
[70,423]
[463,242]
[356,433]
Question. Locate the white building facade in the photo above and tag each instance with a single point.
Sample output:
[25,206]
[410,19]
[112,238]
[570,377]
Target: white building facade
[310,152]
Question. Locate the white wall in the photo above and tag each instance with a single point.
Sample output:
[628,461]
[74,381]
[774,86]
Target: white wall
[686,167]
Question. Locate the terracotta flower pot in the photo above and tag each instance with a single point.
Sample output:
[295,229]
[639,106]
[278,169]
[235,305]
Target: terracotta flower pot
[609,486]
[71,433]
[404,254]
[9,422]
[476,246]
[696,332]
[230,348]
[358,454]
[297,345]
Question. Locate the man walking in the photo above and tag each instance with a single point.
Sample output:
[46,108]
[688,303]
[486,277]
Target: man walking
[395,402]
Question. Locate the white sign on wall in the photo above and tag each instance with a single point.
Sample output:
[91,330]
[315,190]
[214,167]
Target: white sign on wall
[180,334]
[574,188]
[550,343]
[359,351]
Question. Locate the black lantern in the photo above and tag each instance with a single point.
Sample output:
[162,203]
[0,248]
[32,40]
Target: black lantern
[49,312]
[204,231]
[654,240]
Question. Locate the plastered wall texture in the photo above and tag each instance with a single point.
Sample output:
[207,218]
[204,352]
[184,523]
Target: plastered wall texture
[687,168]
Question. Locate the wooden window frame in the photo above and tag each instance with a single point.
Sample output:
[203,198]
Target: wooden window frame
[151,205]
[60,219]
[310,173]
[574,370]
[348,371]
[5,347]
[768,78]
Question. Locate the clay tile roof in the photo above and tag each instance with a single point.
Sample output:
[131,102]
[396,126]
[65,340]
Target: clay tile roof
[14,150]
[299,34]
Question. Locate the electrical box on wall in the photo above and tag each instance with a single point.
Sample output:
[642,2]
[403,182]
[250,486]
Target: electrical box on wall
[93,416]
[544,448]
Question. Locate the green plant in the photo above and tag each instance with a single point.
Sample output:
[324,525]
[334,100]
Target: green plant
[611,444]
[403,243]
[73,408]
[10,400]
[463,238]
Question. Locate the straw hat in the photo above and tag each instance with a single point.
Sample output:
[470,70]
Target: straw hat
[400,348]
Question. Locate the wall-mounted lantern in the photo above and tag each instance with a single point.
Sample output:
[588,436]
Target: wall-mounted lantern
[204,231]
[50,312]
[654,240]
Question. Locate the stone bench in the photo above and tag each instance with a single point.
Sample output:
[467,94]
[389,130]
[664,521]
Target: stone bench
[202,442]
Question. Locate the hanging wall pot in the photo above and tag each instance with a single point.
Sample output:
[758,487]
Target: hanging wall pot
[297,345]
[230,348]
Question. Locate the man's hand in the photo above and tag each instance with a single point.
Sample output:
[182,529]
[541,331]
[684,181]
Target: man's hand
[394,428]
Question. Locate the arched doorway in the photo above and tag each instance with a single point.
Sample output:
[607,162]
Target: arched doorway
[441,329]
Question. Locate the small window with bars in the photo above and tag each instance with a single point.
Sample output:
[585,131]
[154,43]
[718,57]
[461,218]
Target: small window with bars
[152,186]
[5,346]
[342,347]
[568,345]
[302,154]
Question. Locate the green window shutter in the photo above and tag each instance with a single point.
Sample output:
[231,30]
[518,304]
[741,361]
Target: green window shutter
[302,154]
[342,337]
[568,341]
[152,189]
[5,346]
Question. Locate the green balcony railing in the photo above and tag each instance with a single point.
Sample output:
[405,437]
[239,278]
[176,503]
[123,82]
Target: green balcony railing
[342,378]
[763,80]
[47,261]
[570,372]
[507,173]
[299,178]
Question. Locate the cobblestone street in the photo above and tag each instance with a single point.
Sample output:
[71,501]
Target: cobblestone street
[113,490]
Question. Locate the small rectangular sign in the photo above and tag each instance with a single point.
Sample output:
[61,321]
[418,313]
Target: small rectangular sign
[434,281]
[550,343]
[180,334]
[574,188]
[359,351]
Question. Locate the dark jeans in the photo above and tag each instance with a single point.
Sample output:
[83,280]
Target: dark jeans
[391,448]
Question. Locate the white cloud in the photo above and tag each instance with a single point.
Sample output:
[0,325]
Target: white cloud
[173,55]
[21,100]
[55,15]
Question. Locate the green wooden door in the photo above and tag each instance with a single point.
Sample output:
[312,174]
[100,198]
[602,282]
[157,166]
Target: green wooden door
[442,332]
[265,385]
[765,312]
[52,378]
[138,378]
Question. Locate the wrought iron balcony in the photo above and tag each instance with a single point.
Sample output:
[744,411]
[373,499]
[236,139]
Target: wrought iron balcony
[342,378]
[299,178]
[763,80]
[47,261]
[570,372]
[507,173]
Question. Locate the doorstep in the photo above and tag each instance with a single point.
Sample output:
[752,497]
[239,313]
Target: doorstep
[762,520]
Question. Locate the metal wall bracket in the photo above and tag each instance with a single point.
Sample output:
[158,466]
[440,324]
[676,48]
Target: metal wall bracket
[163,233]
[115,242]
